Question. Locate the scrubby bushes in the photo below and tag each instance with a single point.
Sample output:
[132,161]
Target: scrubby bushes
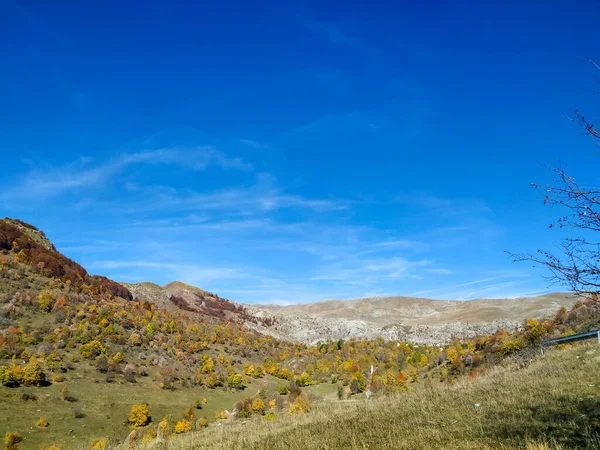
[221,415]
[202,422]
[300,405]
[236,381]
[164,428]
[30,375]
[92,349]
[139,415]
[42,423]
[183,426]
[11,441]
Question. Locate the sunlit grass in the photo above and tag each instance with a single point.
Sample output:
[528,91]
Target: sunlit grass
[552,404]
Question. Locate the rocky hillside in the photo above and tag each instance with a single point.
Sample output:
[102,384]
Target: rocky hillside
[178,296]
[418,320]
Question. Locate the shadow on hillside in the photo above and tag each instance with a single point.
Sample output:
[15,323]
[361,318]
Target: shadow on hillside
[572,422]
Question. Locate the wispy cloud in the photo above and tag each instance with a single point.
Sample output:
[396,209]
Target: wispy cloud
[454,286]
[262,197]
[41,183]
[443,205]
[188,273]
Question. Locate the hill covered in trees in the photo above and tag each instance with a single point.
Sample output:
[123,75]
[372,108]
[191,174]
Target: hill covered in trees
[83,360]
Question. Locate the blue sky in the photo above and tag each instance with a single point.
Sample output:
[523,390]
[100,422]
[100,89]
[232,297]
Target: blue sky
[296,151]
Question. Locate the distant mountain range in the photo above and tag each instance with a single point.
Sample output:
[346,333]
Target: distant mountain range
[419,320]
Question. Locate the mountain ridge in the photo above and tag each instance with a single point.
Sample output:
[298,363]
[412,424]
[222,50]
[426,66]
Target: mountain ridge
[419,320]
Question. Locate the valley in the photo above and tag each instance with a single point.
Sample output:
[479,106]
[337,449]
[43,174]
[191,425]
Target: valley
[88,362]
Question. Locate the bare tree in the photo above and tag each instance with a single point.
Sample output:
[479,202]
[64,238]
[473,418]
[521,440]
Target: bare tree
[576,262]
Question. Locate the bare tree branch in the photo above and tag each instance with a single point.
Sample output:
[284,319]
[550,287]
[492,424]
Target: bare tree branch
[577,261]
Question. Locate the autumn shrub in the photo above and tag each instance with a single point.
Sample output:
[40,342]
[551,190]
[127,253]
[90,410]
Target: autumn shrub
[129,373]
[300,405]
[99,444]
[42,423]
[202,422]
[221,415]
[270,416]
[236,381]
[304,379]
[66,396]
[149,436]
[139,415]
[102,364]
[46,300]
[189,414]
[294,390]
[92,349]
[164,429]
[183,426]
[11,376]
[243,408]
[258,406]
[11,441]
[58,378]
[33,374]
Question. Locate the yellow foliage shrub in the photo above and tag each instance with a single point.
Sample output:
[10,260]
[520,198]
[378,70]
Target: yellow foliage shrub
[138,415]
[92,349]
[164,428]
[189,414]
[201,423]
[258,406]
[220,415]
[42,423]
[183,426]
[11,441]
[149,436]
[46,300]
[270,416]
[33,374]
[300,406]
[99,444]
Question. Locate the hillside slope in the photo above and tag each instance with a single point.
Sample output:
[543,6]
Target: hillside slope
[555,399]
[423,311]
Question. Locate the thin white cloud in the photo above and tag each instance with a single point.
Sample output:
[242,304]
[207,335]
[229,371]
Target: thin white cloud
[439,271]
[483,280]
[51,182]
[188,273]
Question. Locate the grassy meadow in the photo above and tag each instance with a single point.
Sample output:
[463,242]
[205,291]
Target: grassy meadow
[105,408]
[554,403]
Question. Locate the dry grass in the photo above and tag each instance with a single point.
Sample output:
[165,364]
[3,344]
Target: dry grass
[552,404]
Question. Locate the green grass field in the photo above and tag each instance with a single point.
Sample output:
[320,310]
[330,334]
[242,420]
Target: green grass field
[106,408]
[552,403]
